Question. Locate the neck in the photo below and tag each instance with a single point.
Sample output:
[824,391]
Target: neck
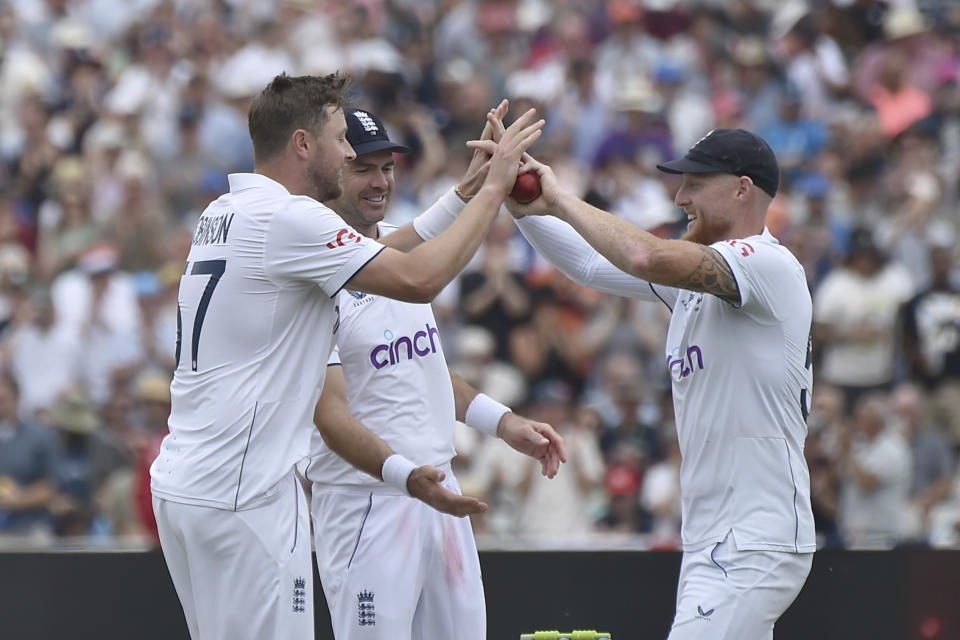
[369,230]
[293,181]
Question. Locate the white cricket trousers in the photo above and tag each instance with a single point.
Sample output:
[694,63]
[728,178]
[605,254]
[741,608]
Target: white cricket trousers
[241,575]
[392,568]
[726,594]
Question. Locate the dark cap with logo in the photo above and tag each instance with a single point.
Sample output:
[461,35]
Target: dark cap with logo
[366,134]
[731,151]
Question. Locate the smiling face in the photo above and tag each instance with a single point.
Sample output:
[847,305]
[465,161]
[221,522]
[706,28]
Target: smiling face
[708,199]
[367,185]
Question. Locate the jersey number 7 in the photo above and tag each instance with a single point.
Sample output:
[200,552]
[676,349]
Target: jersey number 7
[214,269]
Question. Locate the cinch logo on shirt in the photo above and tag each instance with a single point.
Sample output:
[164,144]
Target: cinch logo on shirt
[421,344]
[693,359]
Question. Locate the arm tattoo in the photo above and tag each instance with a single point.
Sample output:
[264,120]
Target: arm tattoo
[712,275]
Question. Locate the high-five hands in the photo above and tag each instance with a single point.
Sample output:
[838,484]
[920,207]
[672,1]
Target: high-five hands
[506,155]
[480,162]
[549,185]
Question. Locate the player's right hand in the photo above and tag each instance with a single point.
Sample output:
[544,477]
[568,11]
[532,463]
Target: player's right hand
[549,190]
[424,484]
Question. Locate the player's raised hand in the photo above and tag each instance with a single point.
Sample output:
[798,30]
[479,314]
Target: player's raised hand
[480,162]
[424,484]
[535,439]
[506,155]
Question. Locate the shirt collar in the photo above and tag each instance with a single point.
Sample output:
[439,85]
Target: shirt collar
[241,181]
[766,235]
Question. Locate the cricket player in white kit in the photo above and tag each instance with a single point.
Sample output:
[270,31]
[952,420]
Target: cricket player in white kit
[392,568]
[738,354]
[257,314]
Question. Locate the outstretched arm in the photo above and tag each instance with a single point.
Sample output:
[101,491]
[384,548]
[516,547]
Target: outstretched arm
[535,439]
[443,212]
[674,263]
[362,448]
[418,276]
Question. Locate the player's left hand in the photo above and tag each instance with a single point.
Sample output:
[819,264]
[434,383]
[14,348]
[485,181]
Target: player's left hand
[535,439]
[424,484]
[480,162]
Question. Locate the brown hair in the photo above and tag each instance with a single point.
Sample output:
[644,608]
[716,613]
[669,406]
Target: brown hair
[289,103]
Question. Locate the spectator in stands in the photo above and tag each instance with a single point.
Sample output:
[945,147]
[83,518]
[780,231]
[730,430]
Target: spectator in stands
[660,494]
[28,468]
[97,304]
[854,313]
[827,427]
[622,481]
[875,463]
[152,392]
[495,296]
[565,507]
[75,422]
[44,358]
[931,339]
[932,457]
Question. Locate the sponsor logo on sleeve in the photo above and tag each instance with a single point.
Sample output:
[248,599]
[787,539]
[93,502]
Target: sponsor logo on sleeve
[344,236]
[746,249]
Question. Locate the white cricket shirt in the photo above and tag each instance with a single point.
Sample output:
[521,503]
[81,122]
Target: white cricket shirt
[398,384]
[741,380]
[255,334]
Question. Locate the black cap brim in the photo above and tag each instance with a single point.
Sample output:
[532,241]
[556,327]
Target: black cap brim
[364,148]
[686,165]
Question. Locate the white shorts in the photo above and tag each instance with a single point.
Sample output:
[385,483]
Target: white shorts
[393,568]
[241,574]
[726,594]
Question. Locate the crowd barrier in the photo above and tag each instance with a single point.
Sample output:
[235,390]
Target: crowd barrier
[908,594]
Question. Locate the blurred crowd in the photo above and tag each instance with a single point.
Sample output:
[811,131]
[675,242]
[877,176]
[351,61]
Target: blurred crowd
[120,119]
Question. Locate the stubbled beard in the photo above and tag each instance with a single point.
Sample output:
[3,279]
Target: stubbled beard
[327,187]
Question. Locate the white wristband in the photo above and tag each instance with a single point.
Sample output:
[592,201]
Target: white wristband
[438,217]
[396,470]
[484,414]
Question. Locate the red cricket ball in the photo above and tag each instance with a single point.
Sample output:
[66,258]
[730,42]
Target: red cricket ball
[526,188]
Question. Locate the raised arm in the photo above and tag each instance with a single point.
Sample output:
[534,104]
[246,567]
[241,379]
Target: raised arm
[566,250]
[443,212]
[418,276]
[673,263]
[362,448]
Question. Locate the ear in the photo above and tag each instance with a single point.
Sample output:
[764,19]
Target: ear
[745,186]
[302,143]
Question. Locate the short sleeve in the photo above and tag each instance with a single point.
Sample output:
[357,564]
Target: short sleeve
[770,280]
[309,242]
[334,359]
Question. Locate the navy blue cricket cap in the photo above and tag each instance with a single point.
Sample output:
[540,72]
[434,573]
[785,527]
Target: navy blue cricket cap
[731,151]
[366,134]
